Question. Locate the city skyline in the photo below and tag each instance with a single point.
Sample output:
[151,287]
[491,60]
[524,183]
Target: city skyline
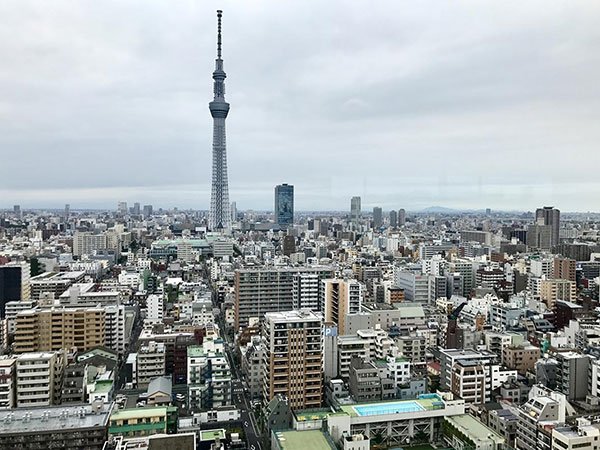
[496,110]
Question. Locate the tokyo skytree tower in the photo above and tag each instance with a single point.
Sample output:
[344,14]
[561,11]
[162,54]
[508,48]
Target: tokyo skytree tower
[219,218]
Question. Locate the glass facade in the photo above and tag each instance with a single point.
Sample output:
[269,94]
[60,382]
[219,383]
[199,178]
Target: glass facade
[284,204]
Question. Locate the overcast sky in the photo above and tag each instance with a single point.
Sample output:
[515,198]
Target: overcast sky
[409,104]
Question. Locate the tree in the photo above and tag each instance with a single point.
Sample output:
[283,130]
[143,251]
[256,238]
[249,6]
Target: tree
[36,268]
[421,436]
[378,438]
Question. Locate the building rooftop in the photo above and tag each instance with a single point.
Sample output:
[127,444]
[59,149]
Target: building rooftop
[103,386]
[51,418]
[212,435]
[408,311]
[35,356]
[302,440]
[427,402]
[468,352]
[134,413]
[473,428]
[293,316]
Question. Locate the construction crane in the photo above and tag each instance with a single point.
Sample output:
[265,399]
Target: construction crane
[451,337]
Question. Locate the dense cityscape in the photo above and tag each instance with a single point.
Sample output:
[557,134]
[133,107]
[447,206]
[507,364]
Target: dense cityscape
[146,327]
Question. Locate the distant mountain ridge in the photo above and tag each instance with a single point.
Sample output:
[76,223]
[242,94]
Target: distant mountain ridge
[441,209]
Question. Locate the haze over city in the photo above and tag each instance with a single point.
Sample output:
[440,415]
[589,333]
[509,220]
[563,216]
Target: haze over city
[275,225]
[465,105]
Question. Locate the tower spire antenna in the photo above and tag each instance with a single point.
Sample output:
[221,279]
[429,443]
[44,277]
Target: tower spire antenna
[219,218]
[219,15]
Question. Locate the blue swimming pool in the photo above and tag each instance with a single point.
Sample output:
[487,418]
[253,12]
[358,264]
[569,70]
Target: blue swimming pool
[388,408]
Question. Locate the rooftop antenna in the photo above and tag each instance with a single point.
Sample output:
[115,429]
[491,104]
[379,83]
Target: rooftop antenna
[219,15]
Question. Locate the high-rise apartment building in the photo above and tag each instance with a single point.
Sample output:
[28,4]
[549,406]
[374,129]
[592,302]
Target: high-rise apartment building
[14,284]
[283,211]
[550,216]
[7,382]
[340,297]
[219,218]
[573,371]
[355,209]
[208,375]
[377,218]
[150,363]
[262,290]
[467,269]
[553,290]
[306,291]
[85,242]
[67,211]
[59,328]
[292,358]
[565,269]
[415,285]
[449,357]
[39,378]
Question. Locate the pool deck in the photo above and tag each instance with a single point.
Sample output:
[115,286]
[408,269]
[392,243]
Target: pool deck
[426,403]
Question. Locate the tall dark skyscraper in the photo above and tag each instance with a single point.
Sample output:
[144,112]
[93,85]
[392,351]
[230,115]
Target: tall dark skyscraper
[283,210]
[10,285]
[377,218]
[550,216]
[219,218]
[401,217]
[393,218]
[355,209]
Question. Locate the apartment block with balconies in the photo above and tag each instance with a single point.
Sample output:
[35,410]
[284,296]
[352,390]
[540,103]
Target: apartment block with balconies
[292,357]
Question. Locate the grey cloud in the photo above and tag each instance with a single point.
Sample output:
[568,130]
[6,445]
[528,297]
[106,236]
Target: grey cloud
[465,104]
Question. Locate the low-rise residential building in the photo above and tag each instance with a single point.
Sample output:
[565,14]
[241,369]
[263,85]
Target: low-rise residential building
[367,383]
[140,422]
[65,427]
[585,436]
[537,418]
[465,431]
[521,358]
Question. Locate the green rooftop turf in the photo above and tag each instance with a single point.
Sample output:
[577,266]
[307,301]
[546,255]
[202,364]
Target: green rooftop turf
[103,386]
[302,440]
[211,435]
